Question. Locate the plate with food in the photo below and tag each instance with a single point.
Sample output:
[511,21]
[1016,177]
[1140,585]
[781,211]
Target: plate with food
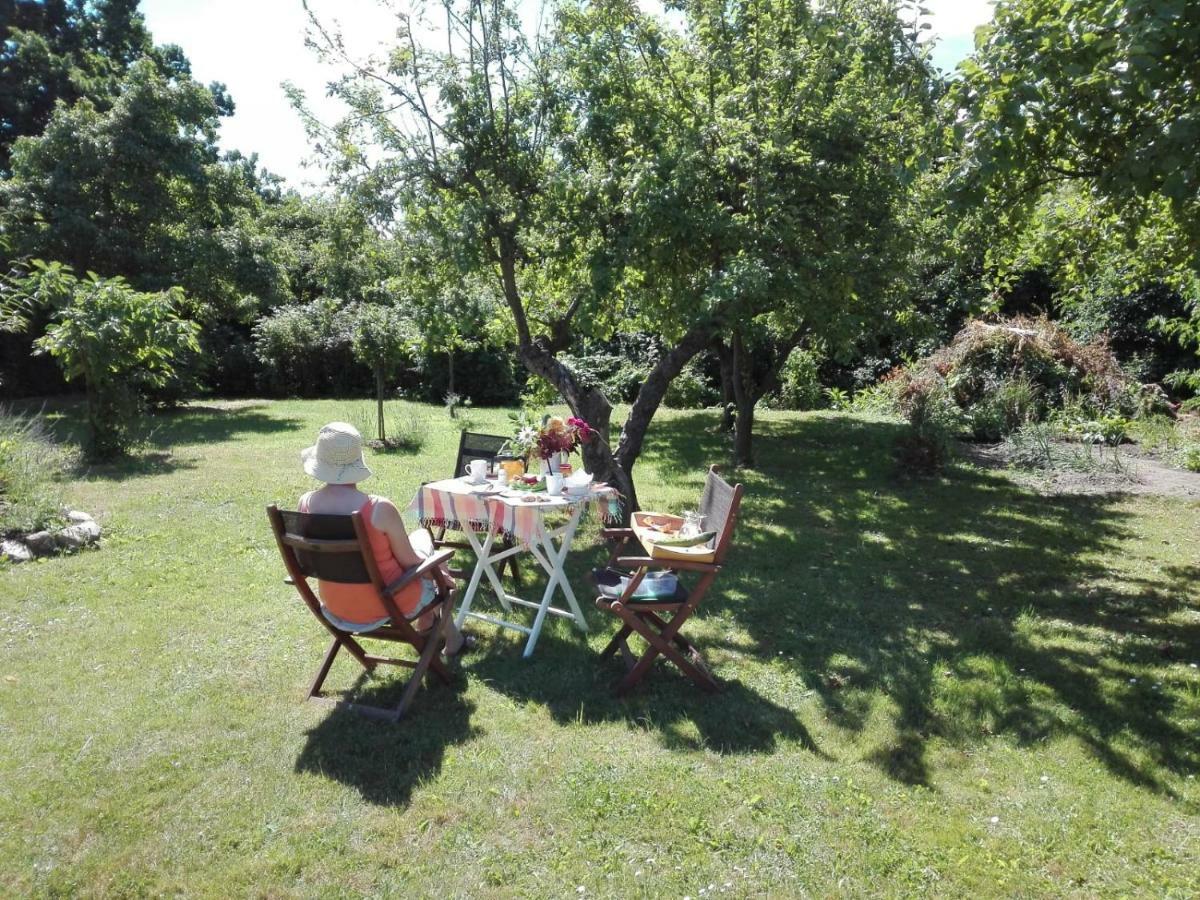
[662,536]
[527,484]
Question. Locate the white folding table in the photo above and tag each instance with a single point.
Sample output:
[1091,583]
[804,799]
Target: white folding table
[483,516]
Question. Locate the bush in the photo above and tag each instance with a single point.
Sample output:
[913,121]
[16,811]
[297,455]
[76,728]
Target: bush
[1110,430]
[1001,376]
[120,342]
[231,366]
[306,350]
[488,375]
[31,464]
[1189,457]
[933,418]
[691,389]
[799,381]
[878,399]
[1014,403]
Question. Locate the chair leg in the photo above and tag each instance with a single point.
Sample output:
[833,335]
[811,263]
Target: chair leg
[431,646]
[680,641]
[315,689]
[660,644]
[438,636]
[616,642]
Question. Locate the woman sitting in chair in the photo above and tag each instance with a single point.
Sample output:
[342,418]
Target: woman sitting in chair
[337,460]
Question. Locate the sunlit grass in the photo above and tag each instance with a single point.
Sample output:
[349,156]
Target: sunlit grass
[953,686]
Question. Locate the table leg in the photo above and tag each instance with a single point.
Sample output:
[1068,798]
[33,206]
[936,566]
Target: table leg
[552,562]
[564,549]
[494,578]
[481,564]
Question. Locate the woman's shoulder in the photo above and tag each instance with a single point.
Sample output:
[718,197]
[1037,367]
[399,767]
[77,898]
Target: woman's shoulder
[382,509]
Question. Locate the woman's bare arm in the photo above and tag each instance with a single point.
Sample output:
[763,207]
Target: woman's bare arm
[387,519]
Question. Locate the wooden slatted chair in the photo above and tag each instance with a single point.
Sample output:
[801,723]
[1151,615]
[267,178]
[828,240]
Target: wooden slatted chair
[475,445]
[337,548]
[719,504]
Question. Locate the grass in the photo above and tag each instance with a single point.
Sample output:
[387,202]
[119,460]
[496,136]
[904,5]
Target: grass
[32,466]
[954,687]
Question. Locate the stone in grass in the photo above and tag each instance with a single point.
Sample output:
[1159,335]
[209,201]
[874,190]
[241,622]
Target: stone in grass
[15,551]
[40,542]
[76,517]
[73,537]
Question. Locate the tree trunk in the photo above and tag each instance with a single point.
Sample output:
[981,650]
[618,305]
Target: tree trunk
[450,366]
[379,402]
[743,390]
[590,404]
[728,398]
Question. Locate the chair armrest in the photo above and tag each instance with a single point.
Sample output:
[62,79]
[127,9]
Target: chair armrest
[427,567]
[650,562]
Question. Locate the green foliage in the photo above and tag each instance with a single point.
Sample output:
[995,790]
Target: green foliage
[1110,430]
[118,341]
[1001,376]
[1078,127]
[1189,457]
[691,389]
[933,421]
[1013,402]
[1032,446]
[306,348]
[137,189]
[63,50]
[878,399]
[799,380]
[539,394]
[837,398]
[31,466]
[1092,91]
[381,337]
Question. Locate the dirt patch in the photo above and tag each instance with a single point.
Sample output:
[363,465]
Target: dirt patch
[1138,473]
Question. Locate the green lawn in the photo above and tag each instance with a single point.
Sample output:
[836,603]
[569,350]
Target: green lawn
[955,687]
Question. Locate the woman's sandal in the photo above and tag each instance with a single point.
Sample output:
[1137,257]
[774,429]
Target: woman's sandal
[468,644]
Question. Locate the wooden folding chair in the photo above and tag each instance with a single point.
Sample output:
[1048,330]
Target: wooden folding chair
[719,505]
[474,445]
[337,548]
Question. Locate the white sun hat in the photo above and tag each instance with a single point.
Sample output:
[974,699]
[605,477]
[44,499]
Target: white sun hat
[337,457]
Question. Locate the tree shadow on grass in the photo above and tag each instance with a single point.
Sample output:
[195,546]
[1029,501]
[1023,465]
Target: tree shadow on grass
[385,761]
[971,606]
[575,686]
[165,429]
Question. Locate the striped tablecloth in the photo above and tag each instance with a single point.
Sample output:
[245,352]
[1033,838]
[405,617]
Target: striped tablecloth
[458,505]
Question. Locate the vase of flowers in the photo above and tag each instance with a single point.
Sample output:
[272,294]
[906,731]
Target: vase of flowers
[552,440]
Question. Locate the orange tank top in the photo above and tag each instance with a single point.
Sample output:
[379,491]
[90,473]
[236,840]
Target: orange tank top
[360,602]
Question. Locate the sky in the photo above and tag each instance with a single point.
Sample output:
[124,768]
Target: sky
[253,46]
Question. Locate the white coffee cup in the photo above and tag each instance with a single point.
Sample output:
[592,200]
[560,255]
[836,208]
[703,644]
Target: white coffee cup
[477,470]
[554,485]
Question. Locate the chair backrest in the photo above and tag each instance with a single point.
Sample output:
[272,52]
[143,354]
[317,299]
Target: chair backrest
[326,547]
[719,504]
[473,445]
